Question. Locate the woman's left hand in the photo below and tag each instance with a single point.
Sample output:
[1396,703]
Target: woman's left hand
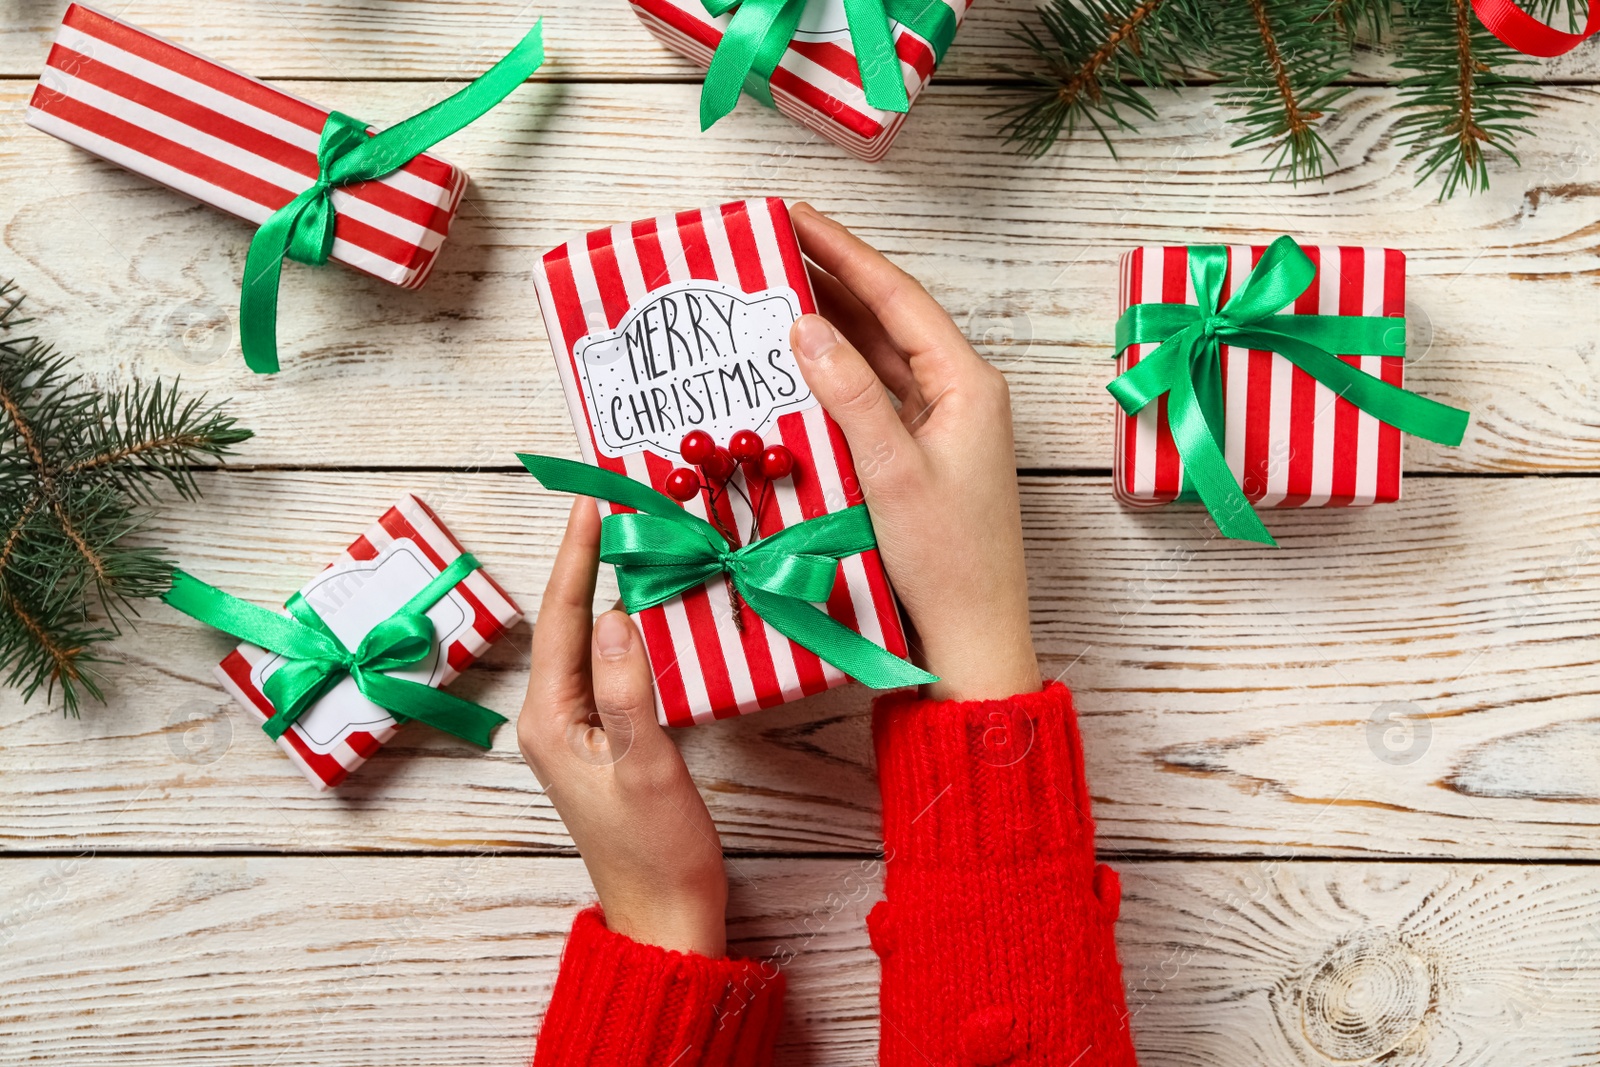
[588,729]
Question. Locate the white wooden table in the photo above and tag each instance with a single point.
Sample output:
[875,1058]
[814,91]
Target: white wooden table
[1353,785]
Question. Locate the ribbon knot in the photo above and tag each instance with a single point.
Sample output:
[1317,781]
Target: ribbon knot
[759,33]
[303,229]
[1187,367]
[661,551]
[315,660]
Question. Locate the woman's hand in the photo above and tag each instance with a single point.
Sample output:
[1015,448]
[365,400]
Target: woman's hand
[588,729]
[938,473]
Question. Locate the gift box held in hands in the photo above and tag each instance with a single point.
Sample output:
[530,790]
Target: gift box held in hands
[829,78]
[680,325]
[379,573]
[1282,377]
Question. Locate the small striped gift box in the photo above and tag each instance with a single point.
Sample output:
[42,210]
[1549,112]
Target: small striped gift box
[816,83]
[231,141]
[381,570]
[1290,441]
[682,323]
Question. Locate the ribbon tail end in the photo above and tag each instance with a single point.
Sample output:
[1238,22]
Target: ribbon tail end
[914,675]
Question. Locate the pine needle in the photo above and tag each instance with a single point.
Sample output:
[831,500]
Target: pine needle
[80,471]
[1098,53]
[1462,104]
[1279,65]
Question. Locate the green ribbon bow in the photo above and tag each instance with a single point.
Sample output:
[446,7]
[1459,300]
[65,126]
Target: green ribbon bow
[760,31]
[303,228]
[317,659]
[1188,366]
[664,551]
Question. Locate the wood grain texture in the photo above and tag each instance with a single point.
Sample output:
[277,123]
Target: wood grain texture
[1023,253]
[433,39]
[1415,679]
[341,961]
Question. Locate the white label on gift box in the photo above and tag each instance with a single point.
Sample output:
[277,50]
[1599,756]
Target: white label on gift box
[693,355]
[352,598]
[825,20]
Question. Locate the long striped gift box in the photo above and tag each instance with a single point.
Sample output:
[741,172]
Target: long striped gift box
[682,322]
[231,141]
[1290,441]
[816,83]
[381,570]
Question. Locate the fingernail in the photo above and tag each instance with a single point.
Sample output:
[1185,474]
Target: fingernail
[612,635]
[815,337]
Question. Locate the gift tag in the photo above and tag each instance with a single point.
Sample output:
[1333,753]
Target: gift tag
[692,355]
[825,20]
[352,598]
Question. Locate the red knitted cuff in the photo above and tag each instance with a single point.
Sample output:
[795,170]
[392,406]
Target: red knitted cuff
[982,781]
[618,1003]
[995,936]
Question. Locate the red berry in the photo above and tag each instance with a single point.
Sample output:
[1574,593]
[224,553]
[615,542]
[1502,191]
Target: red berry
[696,447]
[777,462]
[683,484]
[719,467]
[745,446]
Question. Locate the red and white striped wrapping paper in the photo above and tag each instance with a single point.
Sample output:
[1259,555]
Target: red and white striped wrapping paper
[817,83]
[705,666]
[380,571]
[1290,441]
[231,141]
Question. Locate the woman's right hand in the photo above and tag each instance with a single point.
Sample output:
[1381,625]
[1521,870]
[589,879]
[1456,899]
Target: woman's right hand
[938,472]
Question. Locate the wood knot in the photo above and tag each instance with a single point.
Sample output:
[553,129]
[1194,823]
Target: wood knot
[1364,998]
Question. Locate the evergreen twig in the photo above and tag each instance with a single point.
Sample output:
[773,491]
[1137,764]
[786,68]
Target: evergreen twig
[1282,66]
[79,472]
[1462,102]
[1098,55]
[1279,67]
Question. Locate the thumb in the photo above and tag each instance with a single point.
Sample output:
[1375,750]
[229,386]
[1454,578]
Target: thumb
[624,690]
[849,390]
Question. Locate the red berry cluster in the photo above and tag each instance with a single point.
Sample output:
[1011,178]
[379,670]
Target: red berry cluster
[717,463]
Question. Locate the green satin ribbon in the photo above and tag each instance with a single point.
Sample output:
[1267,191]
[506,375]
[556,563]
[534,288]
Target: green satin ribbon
[664,551]
[1188,366]
[316,659]
[760,31]
[303,228]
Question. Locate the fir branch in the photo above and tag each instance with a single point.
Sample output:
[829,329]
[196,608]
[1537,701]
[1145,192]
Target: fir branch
[79,470]
[1462,103]
[1280,66]
[1370,19]
[1098,50]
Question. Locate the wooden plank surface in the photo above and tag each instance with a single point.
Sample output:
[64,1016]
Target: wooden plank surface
[1415,679]
[342,961]
[1022,253]
[1274,739]
[434,39]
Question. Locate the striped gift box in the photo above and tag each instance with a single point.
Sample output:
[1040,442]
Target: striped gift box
[383,569]
[1291,442]
[231,141]
[603,286]
[817,83]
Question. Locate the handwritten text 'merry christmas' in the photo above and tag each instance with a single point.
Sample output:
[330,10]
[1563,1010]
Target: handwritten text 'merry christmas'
[693,355]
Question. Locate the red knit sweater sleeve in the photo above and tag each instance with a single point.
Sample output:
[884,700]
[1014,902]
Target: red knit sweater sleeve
[995,935]
[618,1003]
